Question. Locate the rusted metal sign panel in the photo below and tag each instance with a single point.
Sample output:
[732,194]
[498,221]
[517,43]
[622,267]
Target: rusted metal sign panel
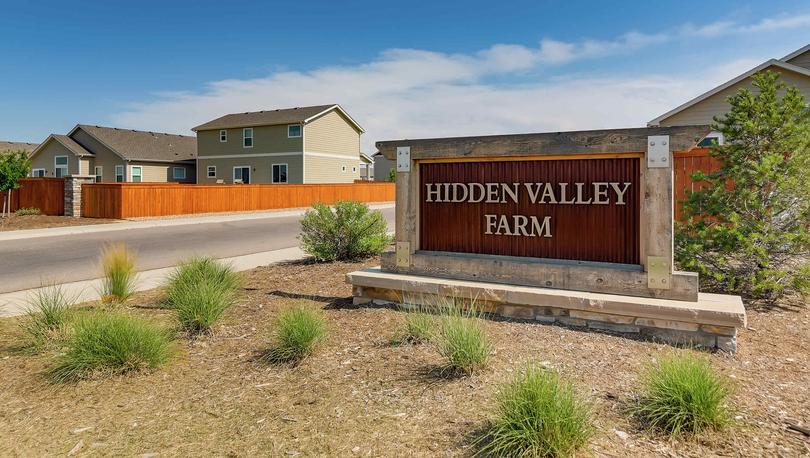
[574,209]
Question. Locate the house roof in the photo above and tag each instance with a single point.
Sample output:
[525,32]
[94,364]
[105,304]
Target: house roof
[295,115]
[779,63]
[6,146]
[134,145]
[682,138]
[70,144]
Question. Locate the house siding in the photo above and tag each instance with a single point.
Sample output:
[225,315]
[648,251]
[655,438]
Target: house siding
[382,167]
[45,159]
[802,60]
[261,168]
[704,111]
[158,172]
[104,157]
[332,133]
[266,139]
[320,169]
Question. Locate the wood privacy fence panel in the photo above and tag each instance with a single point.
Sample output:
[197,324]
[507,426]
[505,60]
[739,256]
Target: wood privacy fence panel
[134,200]
[46,194]
[685,164]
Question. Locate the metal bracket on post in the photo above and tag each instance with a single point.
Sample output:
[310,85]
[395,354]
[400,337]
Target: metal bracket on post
[403,158]
[658,151]
[659,272]
[403,254]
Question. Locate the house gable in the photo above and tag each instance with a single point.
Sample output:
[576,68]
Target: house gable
[702,109]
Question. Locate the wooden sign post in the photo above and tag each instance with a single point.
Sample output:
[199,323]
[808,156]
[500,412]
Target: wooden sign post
[573,228]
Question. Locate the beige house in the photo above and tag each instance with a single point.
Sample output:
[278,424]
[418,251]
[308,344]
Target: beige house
[116,155]
[794,70]
[317,144]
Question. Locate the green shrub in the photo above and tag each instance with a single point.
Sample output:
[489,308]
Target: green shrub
[392,176]
[747,227]
[118,268]
[296,332]
[683,394]
[539,414]
[47,315]
[27,211]
[112,344]
[462,340]
[349,231]
[201,290]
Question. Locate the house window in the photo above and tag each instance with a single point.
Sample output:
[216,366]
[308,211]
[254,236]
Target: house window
[179,173]
[342,168]
[98,172]
[137,173]
[354,169]
[119,173]
[247,138]
[241,174]
[294,131]
[279,173]
[38,173]
[223,136]
[212,171]
[60,164]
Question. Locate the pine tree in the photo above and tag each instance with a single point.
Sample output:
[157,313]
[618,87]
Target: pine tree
[748,230]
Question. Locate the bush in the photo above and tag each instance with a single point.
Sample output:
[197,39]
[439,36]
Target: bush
[539,414]
[47,315]
[462,340]
[112,344]
[201,290]
[27,211]
[118,267]
[682,394]
[747,231]
[419,326]
[392,176]
[296,332]
[349,231]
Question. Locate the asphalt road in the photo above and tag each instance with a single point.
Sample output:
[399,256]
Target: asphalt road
[30,263]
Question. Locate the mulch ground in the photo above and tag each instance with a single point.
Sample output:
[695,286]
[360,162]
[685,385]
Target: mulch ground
[359,395]
[16,223]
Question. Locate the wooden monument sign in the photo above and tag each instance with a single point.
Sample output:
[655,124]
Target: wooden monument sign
[572,227]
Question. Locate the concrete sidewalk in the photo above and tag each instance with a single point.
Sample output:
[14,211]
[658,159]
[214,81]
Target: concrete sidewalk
[159,222]
[15,303]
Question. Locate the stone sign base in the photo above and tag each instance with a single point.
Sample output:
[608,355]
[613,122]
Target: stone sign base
[711,322]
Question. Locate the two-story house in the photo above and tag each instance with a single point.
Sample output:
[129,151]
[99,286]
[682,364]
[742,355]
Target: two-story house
[111,154]
[317,144]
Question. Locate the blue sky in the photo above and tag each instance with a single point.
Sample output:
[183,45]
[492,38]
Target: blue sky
[414,69]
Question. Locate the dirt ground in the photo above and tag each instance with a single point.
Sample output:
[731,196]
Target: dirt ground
[16,223]
[359,395]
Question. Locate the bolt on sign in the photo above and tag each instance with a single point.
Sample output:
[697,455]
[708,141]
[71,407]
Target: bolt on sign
[583,209]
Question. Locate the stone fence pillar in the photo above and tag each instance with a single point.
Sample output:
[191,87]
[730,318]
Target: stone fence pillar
[73,193]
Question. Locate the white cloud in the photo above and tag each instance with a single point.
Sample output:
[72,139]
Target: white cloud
[409,93]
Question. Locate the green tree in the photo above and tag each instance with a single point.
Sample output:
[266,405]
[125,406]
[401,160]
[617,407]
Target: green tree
[13,166]
[392,175]
[747,231]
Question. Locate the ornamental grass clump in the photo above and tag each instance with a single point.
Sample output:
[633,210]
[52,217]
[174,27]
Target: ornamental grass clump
[118,268]
[461,339]
[47,315]
[105,343]
[684,395]
[346,232]
[200,291]
[539,414]
[296,333]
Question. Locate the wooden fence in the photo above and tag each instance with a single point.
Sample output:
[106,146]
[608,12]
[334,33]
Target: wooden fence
[134,200]
[46,194]
[685,164]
